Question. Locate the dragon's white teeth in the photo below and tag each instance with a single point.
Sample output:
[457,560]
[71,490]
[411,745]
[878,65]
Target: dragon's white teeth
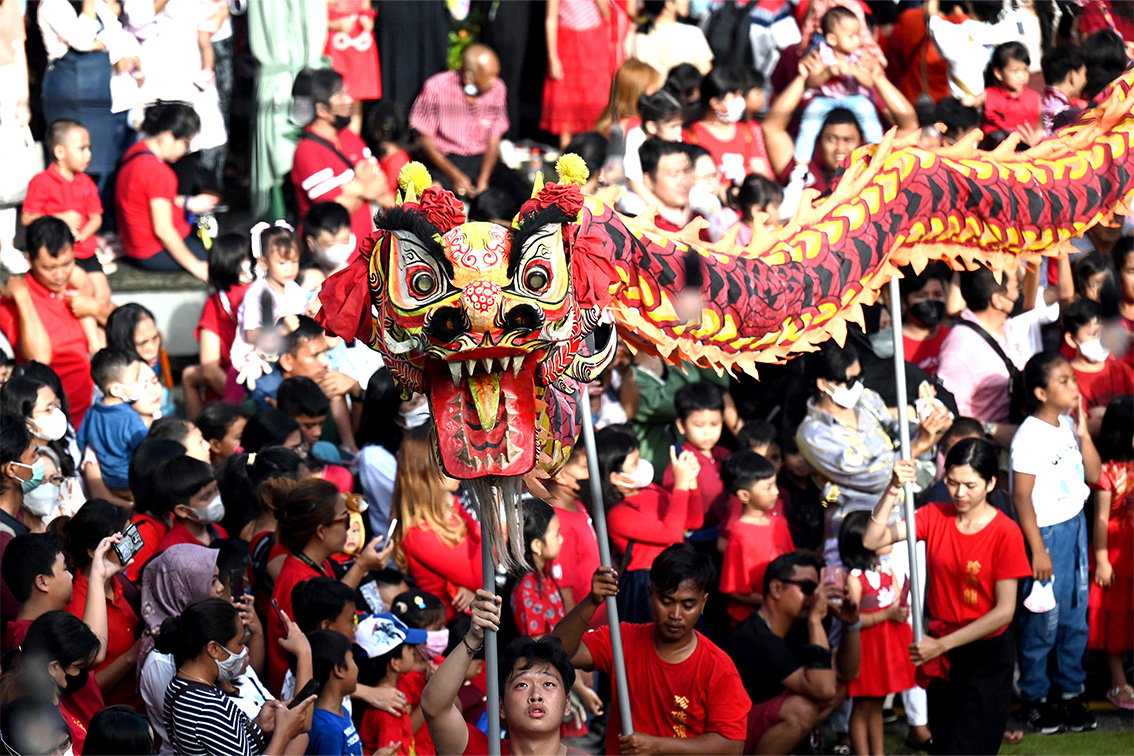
[470,366]
[506,363]
[518,365]
[487,362]
[455,370]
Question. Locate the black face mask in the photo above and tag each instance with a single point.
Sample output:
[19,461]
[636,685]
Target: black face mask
[929,312]
[75,683]
[341,122]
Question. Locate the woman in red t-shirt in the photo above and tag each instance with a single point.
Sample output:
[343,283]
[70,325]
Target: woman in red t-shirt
[923,309]
[313,521]
[1123,255]
[975,558]
[230,273]
[734,148]
[438,543]
[153,219]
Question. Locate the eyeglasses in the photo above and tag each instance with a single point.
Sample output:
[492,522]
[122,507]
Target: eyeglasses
[342,518]
[853,379]
[806,586]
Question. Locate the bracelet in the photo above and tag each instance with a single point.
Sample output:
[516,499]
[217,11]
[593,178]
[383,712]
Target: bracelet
[854,627]
[472,651]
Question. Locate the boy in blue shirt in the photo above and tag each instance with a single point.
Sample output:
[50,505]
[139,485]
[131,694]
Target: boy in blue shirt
[332,665]
[114,427]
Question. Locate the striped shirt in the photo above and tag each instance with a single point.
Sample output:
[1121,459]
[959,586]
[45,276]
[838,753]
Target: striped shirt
[205,722]
[443,112]
[579,15]
[319,173]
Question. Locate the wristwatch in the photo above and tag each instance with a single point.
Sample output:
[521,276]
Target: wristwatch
[988,427]
[854,627]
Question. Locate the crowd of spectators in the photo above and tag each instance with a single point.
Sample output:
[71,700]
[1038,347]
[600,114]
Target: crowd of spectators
[256,550]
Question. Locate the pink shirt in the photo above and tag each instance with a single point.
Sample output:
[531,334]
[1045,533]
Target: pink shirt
[443,112]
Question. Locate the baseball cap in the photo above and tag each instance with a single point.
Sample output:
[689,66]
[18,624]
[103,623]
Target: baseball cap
[382,633]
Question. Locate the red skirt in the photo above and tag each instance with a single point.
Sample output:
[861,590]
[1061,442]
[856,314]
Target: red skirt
[574,103]
[886,667]
[1110,616]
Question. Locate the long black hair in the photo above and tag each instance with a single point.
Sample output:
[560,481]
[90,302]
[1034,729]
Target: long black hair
[613,445]
[19,396]
[1116,437]
[377,426]
[119,729]
[187,634]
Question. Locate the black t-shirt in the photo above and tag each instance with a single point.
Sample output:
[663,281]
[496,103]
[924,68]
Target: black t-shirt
[762,658]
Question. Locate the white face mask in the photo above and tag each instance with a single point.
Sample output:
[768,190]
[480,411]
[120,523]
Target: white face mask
[336,255]
[230,668]
[40,501]
[847,396]
[640,478]
[1094,350]
[50,428]
[419,415]
[129,393]
[211,512]
[734,110]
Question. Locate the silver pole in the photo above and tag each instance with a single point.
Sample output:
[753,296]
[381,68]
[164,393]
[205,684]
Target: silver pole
[491,657]
[598,516]
[904,436]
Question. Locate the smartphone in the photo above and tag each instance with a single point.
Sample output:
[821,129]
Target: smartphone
[835,576]
[281,617]
[312,688]
[236,582]
[130,544]
[390,531]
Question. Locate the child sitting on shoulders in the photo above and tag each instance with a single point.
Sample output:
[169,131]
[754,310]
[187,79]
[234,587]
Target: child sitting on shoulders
[115,426]
[756,538]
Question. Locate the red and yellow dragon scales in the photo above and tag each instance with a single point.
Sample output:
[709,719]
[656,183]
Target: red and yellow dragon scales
[498,325]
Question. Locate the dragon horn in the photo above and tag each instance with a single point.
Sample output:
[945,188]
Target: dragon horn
[537,185]
[409,195]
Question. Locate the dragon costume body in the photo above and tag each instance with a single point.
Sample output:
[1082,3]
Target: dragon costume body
[498,326]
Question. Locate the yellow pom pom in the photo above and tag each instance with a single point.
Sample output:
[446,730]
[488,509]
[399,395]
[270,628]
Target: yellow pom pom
[414,173]
[572,170]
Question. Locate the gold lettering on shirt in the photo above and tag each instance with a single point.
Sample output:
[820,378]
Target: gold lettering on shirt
[969,594]
[680,716]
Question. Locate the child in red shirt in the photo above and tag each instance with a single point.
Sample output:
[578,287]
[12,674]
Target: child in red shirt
[756,538]
[65,192]
[1100,376]
[389,649]
[700,418]
[1008,103]
[643,518]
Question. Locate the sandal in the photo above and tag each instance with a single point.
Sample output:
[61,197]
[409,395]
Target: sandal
[1121,696]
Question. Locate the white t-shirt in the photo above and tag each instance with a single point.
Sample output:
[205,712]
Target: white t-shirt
[967,46]
[632,161]
[669,45]
[1052,455]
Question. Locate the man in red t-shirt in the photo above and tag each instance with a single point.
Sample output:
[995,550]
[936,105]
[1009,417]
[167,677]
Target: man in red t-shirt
[686,696]
[332,163]
[535,679]
[39,313]
[34,570]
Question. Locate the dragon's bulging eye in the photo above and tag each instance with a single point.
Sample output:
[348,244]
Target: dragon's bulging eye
[536,279]
[423,283]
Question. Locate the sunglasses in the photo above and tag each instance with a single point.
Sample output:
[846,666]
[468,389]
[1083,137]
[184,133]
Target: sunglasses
[806,586]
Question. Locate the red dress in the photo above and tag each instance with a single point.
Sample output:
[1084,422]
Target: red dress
[574,103]
[354,53]
[1110,611]
[886,666]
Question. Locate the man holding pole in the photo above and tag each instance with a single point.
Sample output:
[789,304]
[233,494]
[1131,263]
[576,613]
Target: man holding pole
[687,696]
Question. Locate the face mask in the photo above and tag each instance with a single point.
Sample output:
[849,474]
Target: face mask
[704,202]
[38,472]
[41,500]
[129,394]
[640,478]
[882,343]
[341,121]
[336,255]
[847,396]
[471,89]
[75,683]
[50,428]
[734,110]
[1094,350]
[232,666]
[419,415]
[435,644]
[211,512]
[929,313]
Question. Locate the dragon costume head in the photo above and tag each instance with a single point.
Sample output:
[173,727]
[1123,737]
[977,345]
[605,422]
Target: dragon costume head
[487,320]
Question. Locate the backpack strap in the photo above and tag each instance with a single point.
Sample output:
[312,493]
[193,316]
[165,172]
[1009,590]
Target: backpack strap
[1012,369]
[309,137]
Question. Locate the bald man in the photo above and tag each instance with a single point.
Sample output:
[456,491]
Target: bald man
[461,116]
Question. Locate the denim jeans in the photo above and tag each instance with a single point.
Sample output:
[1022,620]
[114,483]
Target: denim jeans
[1064,628]
[811,122]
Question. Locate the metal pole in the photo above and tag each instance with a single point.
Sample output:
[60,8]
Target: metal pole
[491,657]
[598,516]
[904,436]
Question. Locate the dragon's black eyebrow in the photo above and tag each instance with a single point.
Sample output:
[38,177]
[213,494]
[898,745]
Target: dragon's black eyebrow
[530,225]
[413,222]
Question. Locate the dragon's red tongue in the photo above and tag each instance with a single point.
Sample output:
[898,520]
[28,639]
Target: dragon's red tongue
[485,414]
